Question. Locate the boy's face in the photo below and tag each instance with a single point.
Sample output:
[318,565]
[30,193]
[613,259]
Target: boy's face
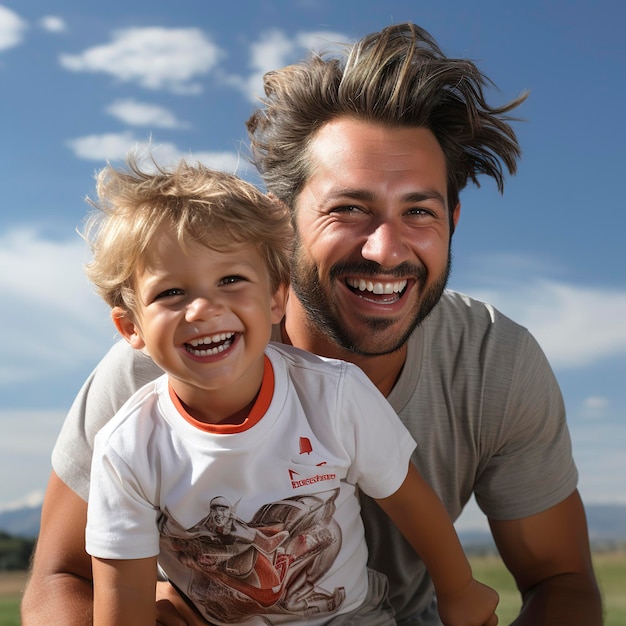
[205,317]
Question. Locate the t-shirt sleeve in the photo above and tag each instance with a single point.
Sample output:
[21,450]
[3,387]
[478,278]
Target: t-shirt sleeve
[119,374]
[121,520]
[535,444]
[381,444]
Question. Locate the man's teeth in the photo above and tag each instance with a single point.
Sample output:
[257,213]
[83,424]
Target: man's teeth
[376,287]
[204,345]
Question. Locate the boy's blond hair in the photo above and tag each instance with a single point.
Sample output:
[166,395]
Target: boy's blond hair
[198,204]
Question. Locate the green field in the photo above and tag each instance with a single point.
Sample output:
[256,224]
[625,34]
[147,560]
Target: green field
[610,569]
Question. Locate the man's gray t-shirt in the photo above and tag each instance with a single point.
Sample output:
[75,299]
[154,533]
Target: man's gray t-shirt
[477,394]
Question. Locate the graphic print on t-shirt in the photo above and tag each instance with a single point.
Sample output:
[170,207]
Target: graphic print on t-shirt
[269,565]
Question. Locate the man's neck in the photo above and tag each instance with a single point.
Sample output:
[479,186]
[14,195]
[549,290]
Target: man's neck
[382,370]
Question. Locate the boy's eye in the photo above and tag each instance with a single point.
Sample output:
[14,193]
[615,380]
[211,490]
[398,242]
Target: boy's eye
[169,293]
[231,280]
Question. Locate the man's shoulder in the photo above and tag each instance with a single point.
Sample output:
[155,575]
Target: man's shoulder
[315,369]
[123,361]
[458,310]
[462,328]
[297,357]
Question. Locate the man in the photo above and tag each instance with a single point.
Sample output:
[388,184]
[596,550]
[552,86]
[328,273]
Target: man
[371,152]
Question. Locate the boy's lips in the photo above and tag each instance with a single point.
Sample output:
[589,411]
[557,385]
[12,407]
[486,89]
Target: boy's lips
[210,344]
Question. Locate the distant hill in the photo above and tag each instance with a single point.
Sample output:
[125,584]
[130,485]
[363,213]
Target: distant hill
[607,524]
[22,522]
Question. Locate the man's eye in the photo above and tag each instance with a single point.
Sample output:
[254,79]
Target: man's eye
[350,208]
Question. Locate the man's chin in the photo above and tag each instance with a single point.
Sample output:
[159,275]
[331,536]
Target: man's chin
[372,339]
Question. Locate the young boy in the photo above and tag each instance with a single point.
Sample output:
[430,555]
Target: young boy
[238,468]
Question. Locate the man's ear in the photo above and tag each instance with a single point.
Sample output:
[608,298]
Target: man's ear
[456,213]
[127,327]
[279,302]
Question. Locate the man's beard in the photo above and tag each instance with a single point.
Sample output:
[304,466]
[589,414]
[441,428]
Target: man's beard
[323,317]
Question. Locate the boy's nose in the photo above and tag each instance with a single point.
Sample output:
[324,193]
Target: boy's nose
[203,308]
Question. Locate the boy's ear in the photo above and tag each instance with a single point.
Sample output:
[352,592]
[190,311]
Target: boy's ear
[279,303]
[127,327]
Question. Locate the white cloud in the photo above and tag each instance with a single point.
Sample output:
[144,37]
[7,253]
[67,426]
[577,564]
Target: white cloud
[155,58]
[12,28]
[137,113]
[274,49]
[25,450]
[116,146]
[595,407]
[599,454]
[323,42]
[53,24]
[576,325]
[108,146]
[55,322]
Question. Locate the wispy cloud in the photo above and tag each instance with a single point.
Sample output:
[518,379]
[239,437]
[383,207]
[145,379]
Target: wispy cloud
[12,28]
[155,58]
[599,455]
[595,407]
[137,113]
[116,146]
[276,49]
[53,24]
[577,325]
[103,147]
[55,322]
[25,455]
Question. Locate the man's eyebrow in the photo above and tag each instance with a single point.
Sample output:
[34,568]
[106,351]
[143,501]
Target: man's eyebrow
[420,196]
[364,195]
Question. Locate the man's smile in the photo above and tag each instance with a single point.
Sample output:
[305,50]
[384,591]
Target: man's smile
[377,287]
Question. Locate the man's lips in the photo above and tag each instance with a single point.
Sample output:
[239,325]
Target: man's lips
[377,287]
[210,344]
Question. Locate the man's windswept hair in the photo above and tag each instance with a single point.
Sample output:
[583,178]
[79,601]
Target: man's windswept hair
[396,77]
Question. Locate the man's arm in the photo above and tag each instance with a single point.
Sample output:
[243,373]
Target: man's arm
[59,584]
[60,589]
[423,520]
[548,555]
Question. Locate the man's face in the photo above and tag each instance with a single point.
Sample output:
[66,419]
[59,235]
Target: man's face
[372,249]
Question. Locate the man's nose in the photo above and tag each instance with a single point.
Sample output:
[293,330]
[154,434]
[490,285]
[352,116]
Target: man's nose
[386,245]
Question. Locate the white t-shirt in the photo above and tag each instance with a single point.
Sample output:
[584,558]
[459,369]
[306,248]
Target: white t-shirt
[477,394]
[257,519]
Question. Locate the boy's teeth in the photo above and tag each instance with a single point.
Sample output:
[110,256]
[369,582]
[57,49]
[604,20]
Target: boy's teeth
[204,345]
[204,341]
[377,287]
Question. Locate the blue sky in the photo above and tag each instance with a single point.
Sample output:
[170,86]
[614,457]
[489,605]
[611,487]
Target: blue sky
[84,82]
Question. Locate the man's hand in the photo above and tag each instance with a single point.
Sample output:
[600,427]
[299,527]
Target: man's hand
[173,610]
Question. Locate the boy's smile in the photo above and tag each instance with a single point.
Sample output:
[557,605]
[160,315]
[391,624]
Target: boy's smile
[205,346]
